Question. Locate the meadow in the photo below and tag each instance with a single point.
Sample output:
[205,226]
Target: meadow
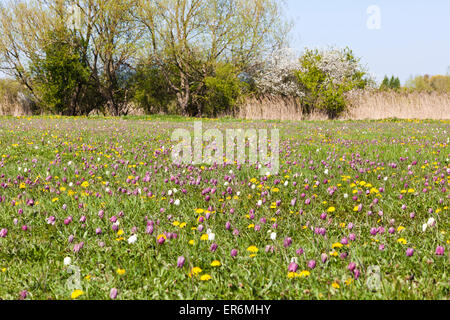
[94,208]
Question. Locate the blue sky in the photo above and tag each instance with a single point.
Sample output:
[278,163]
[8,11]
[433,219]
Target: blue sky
[413,39]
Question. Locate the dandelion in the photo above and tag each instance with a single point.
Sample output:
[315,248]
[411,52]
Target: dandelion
[120,272]
[205,277]
[252,249]
[195,271]
[335,285]
[304,274]
[76,293]
[215,263]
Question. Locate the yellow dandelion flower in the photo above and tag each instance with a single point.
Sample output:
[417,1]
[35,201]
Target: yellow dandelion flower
[400,229]
[120,232]
[402,241]
[204,237]
[335,285]
[85,184]
[292,275]
[120,272]
[304,274]
[182,225]
[162,235]
[252,249]
[337,245]
[191,242]
[205,277]
[195,271]
[76,293]
[215,263]
[199,211]
[331,209]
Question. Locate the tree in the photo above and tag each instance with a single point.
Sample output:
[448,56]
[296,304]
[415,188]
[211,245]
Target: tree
[60,76]
[188,38]
[325,76]
[108,43]
[276,75]
[385,85]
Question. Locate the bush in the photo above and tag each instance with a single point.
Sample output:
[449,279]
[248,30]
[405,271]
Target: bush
[325,77]
[151,90]
[223,91]
[426,83]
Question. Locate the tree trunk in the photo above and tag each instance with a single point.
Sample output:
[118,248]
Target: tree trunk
[184,94]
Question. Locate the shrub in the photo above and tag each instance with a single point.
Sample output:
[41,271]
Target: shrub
[151,90]
[325,76]
[223,90]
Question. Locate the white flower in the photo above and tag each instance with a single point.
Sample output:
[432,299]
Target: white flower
[67,261]
[132,239]
[169,192]
[175,190]
[424,227]
[238,193]
[253,187]
[116,223]
[211,235]
[273,235]
[69,163]
[259,202]
[286,183]
[385,178]
[345,195]
[294,259]
[177,202]
[431,222]
[226,183]
[326,171]
[71,184]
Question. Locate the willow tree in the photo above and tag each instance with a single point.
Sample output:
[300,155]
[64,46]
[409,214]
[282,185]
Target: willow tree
[186,39]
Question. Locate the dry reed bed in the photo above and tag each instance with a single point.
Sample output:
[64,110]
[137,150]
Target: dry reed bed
[364,105]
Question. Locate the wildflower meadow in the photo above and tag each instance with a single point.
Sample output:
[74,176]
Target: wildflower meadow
[96,208]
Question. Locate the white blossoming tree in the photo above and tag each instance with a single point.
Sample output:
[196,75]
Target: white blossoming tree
[276,75]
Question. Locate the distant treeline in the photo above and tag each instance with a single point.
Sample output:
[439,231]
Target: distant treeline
[189,57]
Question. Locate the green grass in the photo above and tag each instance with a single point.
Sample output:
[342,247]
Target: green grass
[127,147]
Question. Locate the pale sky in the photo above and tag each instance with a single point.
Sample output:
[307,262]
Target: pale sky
[413,38]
